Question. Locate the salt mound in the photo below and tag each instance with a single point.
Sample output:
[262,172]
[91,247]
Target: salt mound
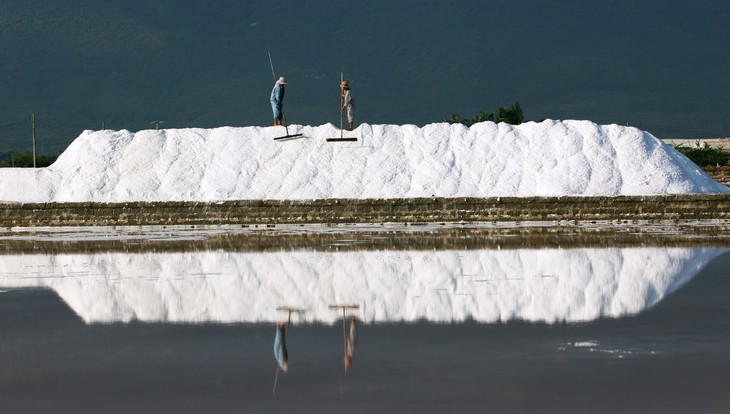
[551,158]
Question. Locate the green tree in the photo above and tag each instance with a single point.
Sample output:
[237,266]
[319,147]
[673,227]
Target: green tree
[45,160]
[510,115]
[24,159]
[703,155]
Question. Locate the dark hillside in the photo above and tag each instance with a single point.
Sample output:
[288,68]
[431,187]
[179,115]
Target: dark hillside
[76,63]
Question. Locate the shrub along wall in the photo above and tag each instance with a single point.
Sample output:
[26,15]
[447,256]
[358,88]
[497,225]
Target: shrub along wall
[417,210]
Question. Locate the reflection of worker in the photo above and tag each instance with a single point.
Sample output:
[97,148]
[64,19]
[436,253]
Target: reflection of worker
[350,343]
[282,358]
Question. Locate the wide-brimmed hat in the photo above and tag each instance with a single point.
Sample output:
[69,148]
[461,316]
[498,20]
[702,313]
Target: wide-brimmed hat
[344,84]
[282,81]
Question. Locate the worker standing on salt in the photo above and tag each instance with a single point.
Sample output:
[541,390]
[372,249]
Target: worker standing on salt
[348,103]
[277,100]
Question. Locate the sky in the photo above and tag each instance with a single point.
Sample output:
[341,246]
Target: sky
[657,65]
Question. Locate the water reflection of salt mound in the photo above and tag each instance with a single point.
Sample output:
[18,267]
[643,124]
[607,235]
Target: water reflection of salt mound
[441,286]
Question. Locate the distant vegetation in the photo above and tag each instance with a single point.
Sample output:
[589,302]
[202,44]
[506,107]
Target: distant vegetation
[510,115]
[704,155]
[24,159]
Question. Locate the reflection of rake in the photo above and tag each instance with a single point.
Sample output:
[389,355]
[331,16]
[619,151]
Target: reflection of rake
[344,325]
[286,333]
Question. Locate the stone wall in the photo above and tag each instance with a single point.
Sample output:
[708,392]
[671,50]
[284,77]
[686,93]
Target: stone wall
[719,174]
[341,238]
[417,210]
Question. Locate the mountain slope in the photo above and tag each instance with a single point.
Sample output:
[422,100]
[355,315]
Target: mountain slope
[75,64]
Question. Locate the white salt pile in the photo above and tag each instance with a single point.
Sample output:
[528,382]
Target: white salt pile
[544,285]
[551,158]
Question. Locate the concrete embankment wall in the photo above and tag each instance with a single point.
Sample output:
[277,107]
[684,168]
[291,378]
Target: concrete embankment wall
[720,174]
[419,210]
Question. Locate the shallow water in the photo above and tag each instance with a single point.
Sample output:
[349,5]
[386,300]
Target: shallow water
[671,355]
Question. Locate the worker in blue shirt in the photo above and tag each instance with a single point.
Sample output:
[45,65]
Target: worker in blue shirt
[277,100]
